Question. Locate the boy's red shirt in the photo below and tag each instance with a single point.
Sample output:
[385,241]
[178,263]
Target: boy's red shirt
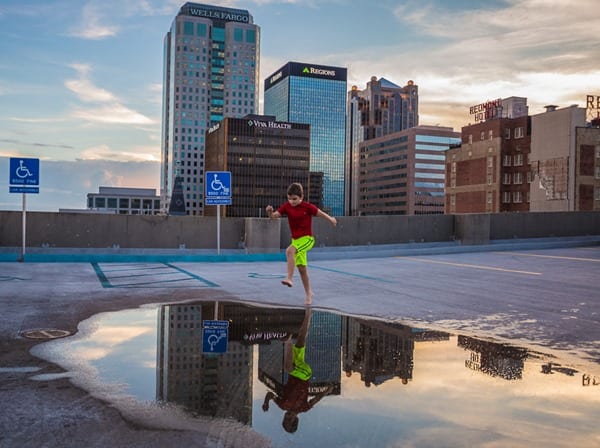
[295,396]
[299,217]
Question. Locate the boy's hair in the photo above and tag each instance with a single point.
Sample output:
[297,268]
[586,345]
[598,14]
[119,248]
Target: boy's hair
[295,189]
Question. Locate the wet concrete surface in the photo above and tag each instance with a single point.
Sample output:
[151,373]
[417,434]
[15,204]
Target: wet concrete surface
[538,299]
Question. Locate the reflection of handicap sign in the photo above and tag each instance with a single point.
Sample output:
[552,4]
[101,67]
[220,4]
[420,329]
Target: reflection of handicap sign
[218,188]
[215,334]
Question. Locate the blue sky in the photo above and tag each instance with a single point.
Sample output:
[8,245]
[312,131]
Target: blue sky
[81,81]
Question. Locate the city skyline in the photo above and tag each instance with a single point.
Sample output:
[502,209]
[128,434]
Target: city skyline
[81,83]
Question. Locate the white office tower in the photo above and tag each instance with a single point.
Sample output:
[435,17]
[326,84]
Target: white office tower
[211,64]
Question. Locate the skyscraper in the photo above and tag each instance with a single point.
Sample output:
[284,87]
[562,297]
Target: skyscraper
[315,95]
[381,109]
[264,156]
[211,64]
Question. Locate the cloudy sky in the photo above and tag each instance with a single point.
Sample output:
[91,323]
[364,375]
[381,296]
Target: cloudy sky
[81,81]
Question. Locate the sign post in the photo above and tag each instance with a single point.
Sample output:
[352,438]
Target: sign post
[218,192]
[24,177]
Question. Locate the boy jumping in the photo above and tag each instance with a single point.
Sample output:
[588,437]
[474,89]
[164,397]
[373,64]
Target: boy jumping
[299,214]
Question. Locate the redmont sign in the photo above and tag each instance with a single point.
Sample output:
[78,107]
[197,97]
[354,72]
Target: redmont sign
[592,106]
[487,110]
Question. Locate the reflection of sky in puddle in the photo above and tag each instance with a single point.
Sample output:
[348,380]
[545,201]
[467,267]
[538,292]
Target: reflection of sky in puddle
[426,388]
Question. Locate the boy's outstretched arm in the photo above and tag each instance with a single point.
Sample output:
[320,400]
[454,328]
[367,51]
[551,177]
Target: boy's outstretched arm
[273,214]
[331,219]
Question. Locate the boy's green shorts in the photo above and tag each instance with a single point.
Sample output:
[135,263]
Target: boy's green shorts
[303,245]
[301,369]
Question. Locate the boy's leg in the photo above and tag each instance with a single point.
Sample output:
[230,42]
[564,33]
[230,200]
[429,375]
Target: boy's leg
[303,270]
[290,256]
[303,245]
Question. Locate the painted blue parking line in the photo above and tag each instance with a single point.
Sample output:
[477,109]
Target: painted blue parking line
[158,282]
[138,268]
[150,274]
[353,274]
[103,280]
[203,280]
[109,281]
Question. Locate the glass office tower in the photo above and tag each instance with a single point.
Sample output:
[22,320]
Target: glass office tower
[315,95]
[211,64]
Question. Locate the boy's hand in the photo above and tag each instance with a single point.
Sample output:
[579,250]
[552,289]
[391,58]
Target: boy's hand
[333,221]
[269,210]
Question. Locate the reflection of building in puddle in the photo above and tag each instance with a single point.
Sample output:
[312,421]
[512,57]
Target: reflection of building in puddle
[494,359]
[214,385]
[379,351]
[218,385]
[552,367]
[322,355]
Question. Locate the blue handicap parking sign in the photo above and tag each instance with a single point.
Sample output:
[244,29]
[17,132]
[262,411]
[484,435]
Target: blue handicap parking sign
[215,334]
[24,171]
[218,188]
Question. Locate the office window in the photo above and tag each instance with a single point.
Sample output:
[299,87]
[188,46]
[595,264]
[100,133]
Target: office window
[100,202]
[489,180]
[507,133]
[519,132]
[506,160]
[490,163]
[251,36]
[111,203]
[530,177]
[518,160]
[517,197]
[489,197]
[188,28]
[482,135]
[490,134]
[470,138]
[506,178]
[506,197]
[238,35]
[124,203]
[518,178]
[597,193]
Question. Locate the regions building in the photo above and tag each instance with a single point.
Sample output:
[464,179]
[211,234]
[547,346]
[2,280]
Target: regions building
[315,95]
[211,66]
[382,108]
[489,171]
[125,201]
[264,157]
[403,173]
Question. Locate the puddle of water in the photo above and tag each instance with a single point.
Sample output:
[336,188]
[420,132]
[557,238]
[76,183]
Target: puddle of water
[373,383]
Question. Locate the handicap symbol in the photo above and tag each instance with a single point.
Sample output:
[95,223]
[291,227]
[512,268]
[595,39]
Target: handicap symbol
[217,185]
[213,340]
[22,171]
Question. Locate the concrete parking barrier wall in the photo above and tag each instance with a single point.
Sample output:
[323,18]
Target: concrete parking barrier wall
[78,230]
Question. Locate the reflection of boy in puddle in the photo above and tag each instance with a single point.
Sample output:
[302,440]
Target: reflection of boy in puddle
[295,392]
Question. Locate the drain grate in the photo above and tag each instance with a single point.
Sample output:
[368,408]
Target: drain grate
[47,333]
